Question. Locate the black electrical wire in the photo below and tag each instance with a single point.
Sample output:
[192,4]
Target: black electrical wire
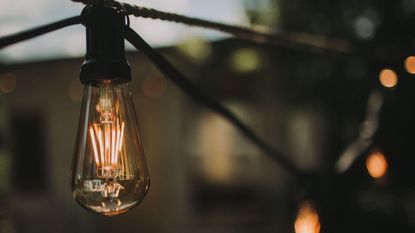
[25,35]
[181,81]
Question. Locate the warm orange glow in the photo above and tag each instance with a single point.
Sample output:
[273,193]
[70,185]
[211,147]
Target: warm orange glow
[410,64]
[94,145]
[7,82]
[307,219]
[388,78]
[75,90]
[376,165]
[106,146]
[154,86]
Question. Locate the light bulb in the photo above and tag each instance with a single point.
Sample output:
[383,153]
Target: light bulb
[307,219]
[376,164]
[109,173]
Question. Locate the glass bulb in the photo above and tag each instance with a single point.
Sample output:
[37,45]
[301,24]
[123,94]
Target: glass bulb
[109,173]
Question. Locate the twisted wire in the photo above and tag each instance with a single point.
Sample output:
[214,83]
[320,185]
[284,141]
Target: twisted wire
[302,41]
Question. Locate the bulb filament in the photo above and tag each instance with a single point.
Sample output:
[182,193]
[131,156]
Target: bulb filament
[107,143]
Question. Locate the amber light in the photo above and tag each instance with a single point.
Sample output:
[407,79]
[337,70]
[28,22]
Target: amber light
[410,64]
[307,219]
[108,145]
[388,78]
[110,175]
[377,165]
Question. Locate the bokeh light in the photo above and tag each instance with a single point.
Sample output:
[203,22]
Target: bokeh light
[75,90]
[365,27]
[197,49]
[410,64]
[7,82]
[154,85]
[376,164]
[246,60]
[388,78]
[307,220]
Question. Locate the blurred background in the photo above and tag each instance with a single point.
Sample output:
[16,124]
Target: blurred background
[346,120]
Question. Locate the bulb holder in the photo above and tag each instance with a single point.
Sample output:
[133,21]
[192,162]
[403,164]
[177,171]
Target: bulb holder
[105,50]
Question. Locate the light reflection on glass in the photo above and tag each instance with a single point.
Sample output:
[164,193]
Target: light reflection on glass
[376,165]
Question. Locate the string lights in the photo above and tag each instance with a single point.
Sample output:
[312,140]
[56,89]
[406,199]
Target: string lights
[110,174]
[307,220]
[376,164]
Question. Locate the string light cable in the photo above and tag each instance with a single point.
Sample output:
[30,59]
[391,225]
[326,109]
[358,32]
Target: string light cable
[38,31]
[294,40]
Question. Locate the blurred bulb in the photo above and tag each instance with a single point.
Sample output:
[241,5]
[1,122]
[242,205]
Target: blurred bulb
[388,78]
[110,174]
[410,64]
[376,165]
[307,219]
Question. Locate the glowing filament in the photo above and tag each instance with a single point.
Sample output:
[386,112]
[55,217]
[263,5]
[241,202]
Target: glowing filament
[106,140]
[94,146]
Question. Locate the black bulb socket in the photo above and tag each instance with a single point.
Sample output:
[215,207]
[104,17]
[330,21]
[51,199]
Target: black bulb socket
[105,50]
